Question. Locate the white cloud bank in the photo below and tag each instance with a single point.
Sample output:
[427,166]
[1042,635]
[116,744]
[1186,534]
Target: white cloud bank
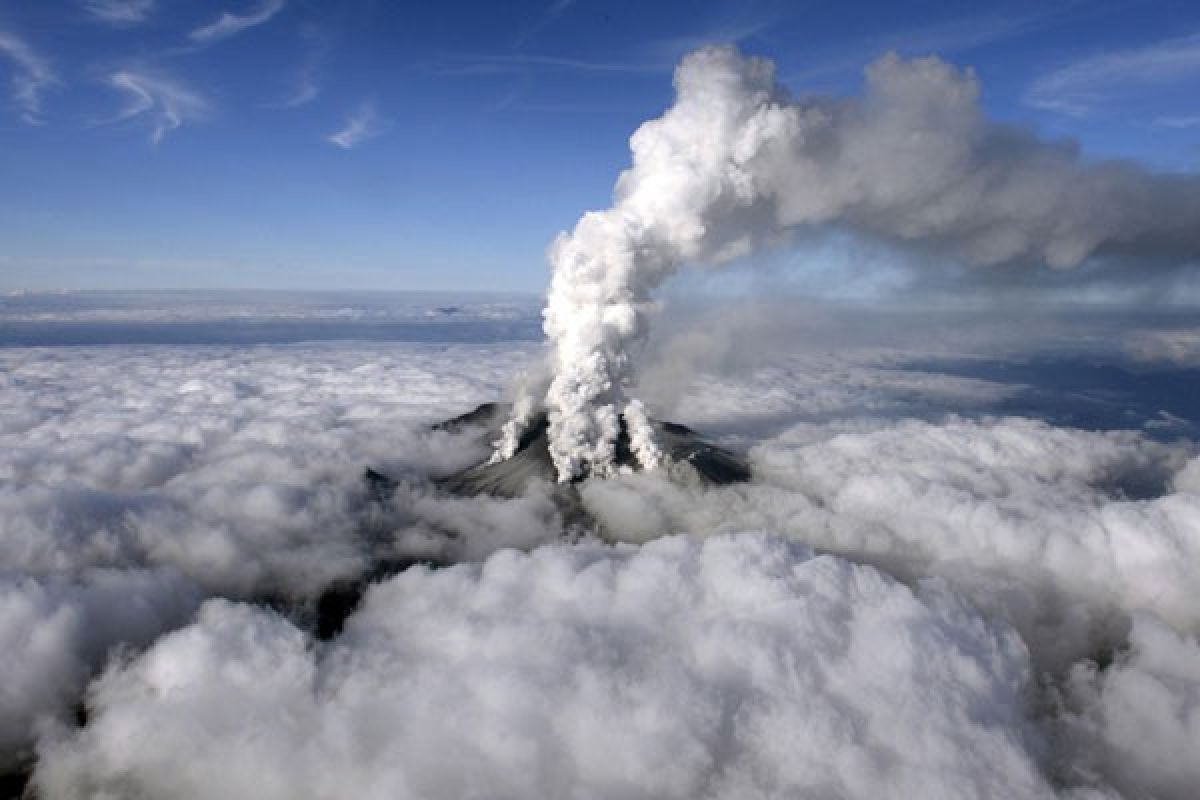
[1061,532]
[134,481]
[1138,722]
[239,468]
[155,473]
[57,631]
[736,667]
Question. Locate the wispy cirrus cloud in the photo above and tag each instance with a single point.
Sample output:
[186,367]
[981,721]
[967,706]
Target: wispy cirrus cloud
[230,24]
[305,85]
[32,74]
[735,30]
[547,18]
[945,37]
[360,126]
[305,91]
[163,101]
[119,12]
[1078,88]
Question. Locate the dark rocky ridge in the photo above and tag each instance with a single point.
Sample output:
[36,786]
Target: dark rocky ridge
[690,458]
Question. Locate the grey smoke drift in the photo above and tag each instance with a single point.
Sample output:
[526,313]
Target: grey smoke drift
[738,163]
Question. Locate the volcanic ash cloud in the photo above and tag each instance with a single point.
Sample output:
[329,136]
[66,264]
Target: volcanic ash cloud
[737,163]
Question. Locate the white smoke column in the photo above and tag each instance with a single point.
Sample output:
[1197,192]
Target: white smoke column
[736,162]
[523,410]
[641,435]
[607,268]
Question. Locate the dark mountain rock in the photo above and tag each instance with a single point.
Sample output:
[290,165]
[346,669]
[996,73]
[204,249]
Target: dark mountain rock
[489,415]
[691,459]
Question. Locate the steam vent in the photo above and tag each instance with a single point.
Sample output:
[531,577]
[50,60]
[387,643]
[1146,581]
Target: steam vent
[690,459]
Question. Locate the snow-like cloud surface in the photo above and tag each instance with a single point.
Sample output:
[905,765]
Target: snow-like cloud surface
[240,468]
[1058,531]
[136,480]
[1138,722]
[56,631]
[733,667]
[973,566]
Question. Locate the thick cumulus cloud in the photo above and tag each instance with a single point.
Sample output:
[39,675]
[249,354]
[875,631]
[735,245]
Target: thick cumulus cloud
[737,162]
[1059,531]
[1138,722]
[738,666]
[239,467]
[58,630]
[135,481]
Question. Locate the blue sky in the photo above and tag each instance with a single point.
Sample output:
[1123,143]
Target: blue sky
[377,145]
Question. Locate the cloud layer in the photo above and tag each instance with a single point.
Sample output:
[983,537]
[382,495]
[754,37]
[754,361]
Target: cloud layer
[1002,606]
[732,667]
[1138,723]
[131,486]
[56,631]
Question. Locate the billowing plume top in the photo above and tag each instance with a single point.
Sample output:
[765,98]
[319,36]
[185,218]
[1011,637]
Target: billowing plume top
[736,162]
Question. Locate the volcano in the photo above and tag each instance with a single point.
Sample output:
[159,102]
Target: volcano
[690,460]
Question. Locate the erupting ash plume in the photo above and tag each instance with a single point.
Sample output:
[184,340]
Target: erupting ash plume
[737,162]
